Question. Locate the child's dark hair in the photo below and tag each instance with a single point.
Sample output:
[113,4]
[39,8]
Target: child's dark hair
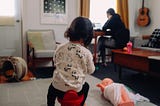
[80,28]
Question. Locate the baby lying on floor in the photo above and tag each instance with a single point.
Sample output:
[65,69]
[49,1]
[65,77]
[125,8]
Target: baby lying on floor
[117,93]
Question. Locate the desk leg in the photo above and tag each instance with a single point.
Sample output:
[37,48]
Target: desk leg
[95,50]
[115,67]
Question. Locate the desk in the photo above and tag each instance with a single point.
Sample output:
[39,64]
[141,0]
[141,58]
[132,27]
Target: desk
[138,60]
[95,35]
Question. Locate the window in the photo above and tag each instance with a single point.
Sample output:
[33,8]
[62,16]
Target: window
[98,10]
[7,12]
[7,7]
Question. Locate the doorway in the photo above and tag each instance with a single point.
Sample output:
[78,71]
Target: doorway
[10,35]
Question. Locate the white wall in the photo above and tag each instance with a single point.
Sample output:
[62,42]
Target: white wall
[134,6]
[31,19]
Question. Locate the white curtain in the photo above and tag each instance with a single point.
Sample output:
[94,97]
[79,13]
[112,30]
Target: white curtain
[7,12]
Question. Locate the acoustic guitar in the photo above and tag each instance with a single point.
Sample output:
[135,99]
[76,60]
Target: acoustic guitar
[143,17]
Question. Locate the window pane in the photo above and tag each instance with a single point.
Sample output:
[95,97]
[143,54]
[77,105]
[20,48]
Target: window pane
[7,7]
[98,10]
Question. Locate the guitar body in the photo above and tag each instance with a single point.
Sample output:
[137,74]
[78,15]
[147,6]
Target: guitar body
[143,17]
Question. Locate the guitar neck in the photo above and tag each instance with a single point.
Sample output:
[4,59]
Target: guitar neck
[142,4]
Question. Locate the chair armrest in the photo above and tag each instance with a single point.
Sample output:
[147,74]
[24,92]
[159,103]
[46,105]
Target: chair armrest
[145,37]
[30,49]
[58,43]
[30,45]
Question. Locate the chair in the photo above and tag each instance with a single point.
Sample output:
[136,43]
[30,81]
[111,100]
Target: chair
[41,47]
[119,41]
[97,33]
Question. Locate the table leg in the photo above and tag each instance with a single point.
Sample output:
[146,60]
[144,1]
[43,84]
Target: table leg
[95,50]
[119,72]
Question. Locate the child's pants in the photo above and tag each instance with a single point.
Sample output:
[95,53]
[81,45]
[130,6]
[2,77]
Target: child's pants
[53,93]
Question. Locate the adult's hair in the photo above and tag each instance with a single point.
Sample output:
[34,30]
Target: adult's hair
[80,28]
[110,11]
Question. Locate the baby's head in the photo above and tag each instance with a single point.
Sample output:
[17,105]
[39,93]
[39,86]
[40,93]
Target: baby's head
[81,28]
[105,82]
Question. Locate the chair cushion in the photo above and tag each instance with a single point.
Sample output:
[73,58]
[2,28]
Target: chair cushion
[49,41]
[44,53]
[42,39]
[154,41]
[36,40]
[149,48]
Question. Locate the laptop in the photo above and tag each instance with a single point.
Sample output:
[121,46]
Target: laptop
[97,26]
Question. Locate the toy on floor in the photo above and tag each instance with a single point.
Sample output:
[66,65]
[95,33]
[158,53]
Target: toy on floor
[71,98]
[118,94]
[13,68]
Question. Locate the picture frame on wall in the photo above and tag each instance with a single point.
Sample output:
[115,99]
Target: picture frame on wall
[54,12]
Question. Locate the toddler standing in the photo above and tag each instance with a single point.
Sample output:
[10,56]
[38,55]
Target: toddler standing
[73,61]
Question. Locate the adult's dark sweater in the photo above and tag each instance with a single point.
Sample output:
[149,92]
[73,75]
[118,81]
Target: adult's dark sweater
[117,30]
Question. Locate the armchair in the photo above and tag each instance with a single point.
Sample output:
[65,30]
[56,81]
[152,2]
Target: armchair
[41,47]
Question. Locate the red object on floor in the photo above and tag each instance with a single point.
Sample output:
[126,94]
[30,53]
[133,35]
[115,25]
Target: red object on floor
[71,98]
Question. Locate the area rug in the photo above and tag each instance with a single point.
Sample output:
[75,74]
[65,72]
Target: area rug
[34,93]
[141,83]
